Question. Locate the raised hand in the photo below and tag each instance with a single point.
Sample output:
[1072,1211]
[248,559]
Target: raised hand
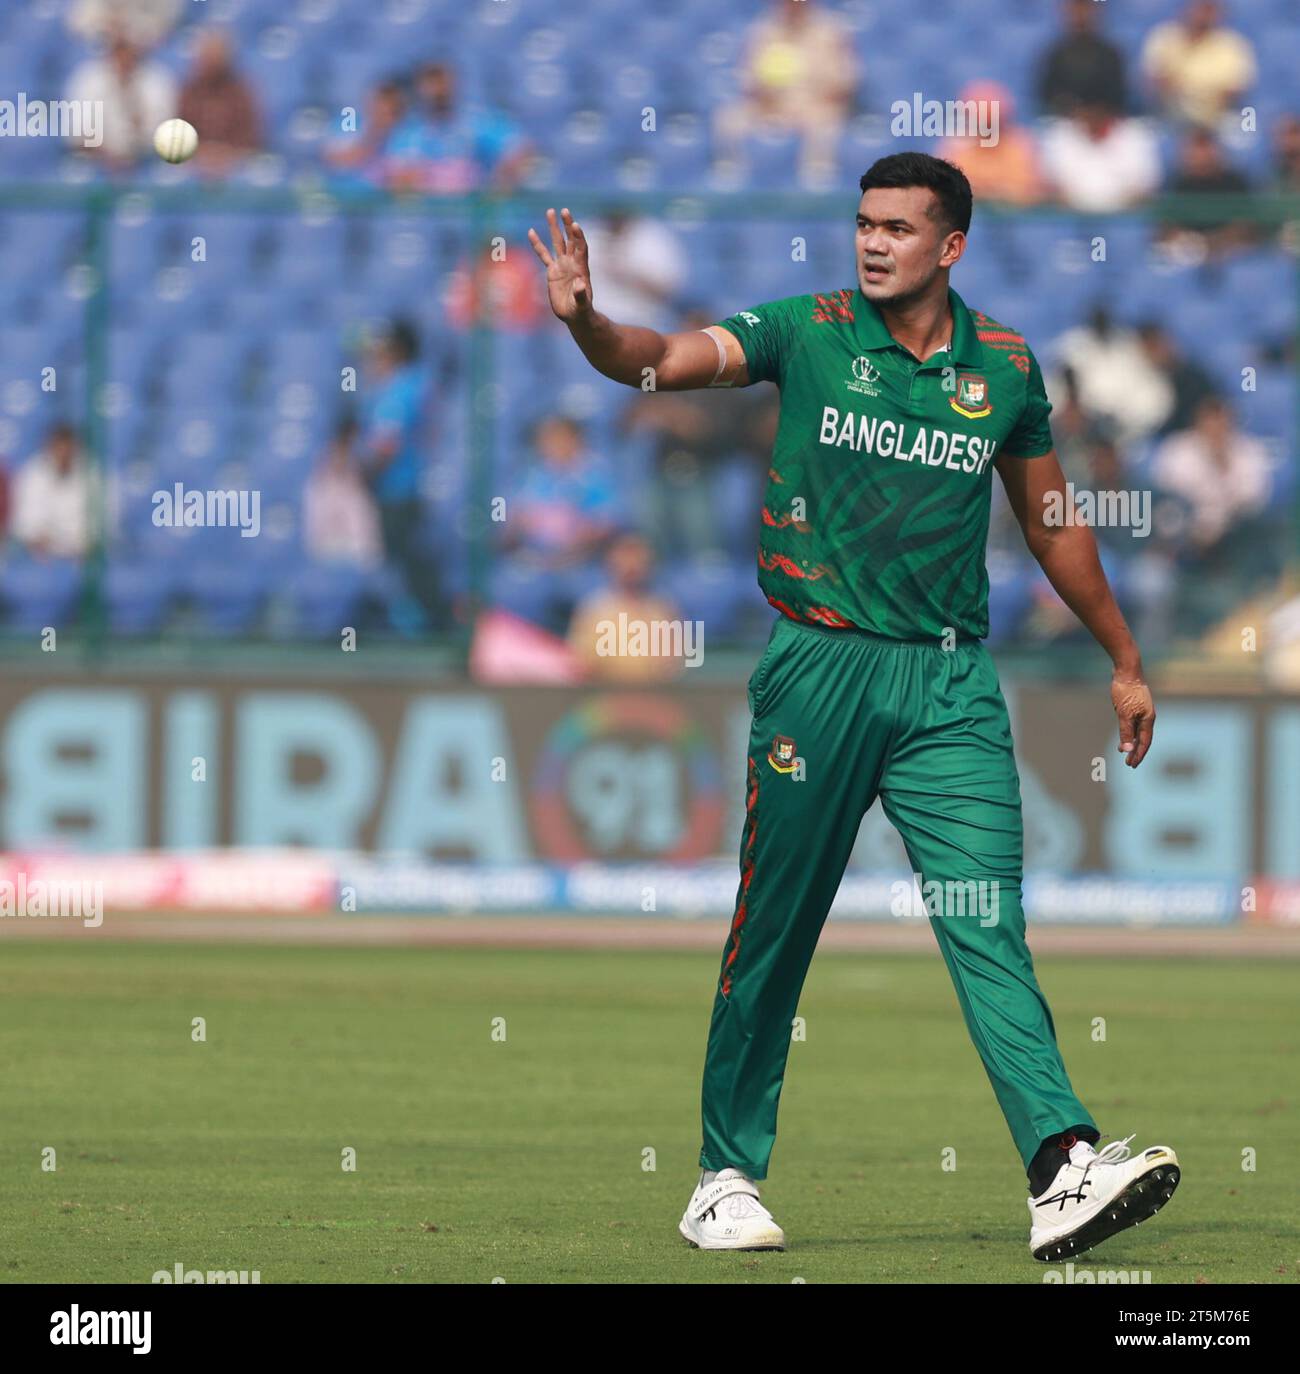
[568,280]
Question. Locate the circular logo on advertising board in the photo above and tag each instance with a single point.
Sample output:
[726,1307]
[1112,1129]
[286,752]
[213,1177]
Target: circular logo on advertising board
[627,777]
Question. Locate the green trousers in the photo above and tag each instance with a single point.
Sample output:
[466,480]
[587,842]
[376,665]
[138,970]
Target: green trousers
[839,718]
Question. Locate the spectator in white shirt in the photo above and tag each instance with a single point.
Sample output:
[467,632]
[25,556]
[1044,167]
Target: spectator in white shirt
[1101,162]
[135,95]
[641,269]
[1117,379]
[339,518]
[1221,473]
[144,22]
[52,501]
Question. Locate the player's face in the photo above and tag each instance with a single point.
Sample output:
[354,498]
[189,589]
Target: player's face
[900,249]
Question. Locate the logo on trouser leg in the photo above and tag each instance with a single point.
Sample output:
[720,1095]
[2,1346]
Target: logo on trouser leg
[781,755]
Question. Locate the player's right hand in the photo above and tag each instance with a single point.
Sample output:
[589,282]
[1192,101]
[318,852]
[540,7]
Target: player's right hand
[1131,698]
[568,280]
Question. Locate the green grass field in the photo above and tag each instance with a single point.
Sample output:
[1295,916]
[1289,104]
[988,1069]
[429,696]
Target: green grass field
[522,1159]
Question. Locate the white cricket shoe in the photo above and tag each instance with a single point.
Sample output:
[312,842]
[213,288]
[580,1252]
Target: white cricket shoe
[727,1215]
[1097,1193]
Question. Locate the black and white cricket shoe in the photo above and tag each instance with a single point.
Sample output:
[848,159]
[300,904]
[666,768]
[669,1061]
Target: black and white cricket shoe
[727,1215]
[1097,1193]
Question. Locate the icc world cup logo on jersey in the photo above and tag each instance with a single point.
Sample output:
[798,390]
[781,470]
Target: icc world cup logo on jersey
[865,377]
[972,398]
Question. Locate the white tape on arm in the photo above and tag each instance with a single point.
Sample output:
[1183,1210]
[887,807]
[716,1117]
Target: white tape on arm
[722,357]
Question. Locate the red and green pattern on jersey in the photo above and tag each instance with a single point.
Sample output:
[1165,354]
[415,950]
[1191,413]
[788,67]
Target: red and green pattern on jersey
[746,877]
[877,503]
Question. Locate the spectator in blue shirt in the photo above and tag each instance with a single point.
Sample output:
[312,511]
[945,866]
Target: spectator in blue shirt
[393,434]
[442,148]
[558,524]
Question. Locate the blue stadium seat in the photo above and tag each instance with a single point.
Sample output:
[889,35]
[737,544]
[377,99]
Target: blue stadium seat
[25,351]
[139,595]
[771,161]
[325,597]
[203,369]
[709,592]
[44,243]
[1010,588]
[193,441]
[299,371]
[860,144]
[274,64]
[133,361]
[228,576]
[1270,409]
[353,73]
[737,487]
[39,592]
[681,150]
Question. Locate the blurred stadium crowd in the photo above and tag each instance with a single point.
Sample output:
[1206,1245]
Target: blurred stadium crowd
[1168,130]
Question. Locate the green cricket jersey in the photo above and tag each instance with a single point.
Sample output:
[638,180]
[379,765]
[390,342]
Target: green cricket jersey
[876,512]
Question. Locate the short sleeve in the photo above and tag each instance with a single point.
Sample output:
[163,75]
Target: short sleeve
[1032,435]
[765,332]
[599,499]
[395,413]
[391,413]
[404,141]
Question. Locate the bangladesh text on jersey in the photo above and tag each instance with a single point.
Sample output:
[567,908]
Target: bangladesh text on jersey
[876,511]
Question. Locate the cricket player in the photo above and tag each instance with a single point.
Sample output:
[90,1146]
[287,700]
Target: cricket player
[898,402]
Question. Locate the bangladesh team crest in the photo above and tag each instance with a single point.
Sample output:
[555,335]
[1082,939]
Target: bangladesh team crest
[972,398]
[781,755]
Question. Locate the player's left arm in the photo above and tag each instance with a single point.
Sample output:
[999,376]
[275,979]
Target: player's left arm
[1067,553]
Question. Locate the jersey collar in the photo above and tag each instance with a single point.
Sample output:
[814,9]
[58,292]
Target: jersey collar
[965,349]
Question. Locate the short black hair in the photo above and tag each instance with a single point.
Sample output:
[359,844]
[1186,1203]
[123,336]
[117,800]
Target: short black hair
[403,340]
[947,181]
